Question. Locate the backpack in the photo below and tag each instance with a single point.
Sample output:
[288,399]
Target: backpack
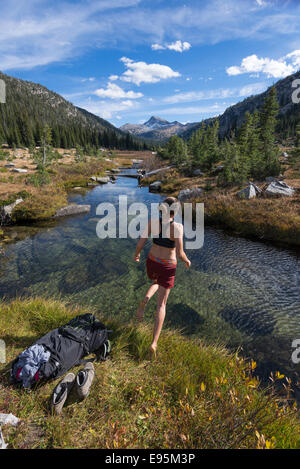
[68,345]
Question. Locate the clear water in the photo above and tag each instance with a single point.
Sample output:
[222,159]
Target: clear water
[237,292]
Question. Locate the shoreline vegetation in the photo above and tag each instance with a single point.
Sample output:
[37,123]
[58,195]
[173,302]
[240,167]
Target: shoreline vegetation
[44,187]
[194,396]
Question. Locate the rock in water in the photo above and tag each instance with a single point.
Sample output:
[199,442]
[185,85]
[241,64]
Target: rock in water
[184,317]
[186,194]
[72,210]
[249,320]
[279,188]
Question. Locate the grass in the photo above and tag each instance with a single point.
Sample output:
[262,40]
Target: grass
[193,396]
[44,199]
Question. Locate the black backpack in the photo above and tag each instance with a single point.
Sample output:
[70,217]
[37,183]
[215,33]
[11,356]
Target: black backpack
[69,344]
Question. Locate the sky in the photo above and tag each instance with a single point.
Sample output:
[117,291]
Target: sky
[126,60]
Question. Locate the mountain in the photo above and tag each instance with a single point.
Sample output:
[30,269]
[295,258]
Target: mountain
[232,118]
[29,106]
[156,128]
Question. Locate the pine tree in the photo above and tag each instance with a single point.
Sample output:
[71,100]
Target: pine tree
[267,128]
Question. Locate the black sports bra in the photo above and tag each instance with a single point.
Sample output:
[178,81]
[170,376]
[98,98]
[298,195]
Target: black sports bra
[165,242]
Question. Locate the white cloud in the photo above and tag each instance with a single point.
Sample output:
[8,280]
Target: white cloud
[141,72]
[113,77]
[177,46]
[83,80]
[157,47]
[214,109]
[221,93]
[114,91]
[272,68]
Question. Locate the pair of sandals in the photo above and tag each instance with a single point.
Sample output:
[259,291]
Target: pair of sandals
[82,382]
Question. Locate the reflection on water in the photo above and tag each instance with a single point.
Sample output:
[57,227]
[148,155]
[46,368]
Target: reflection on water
[238,291]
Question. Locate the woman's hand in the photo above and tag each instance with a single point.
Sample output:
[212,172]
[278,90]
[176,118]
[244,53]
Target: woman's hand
[137,257]
[188,264]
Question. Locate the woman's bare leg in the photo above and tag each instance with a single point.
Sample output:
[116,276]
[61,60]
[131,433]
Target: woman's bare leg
[162,298]
[141,309]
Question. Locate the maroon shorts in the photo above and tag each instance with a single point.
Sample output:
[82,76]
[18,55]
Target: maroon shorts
[161,272]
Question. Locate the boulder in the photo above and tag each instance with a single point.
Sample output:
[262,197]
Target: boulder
[73,209]
[115,170]
[101,180]
[285,155]
[279,188]
[249,192]
[186,194]
[6,211]
[19,170]
[9,165]
[197,172]
[155,186]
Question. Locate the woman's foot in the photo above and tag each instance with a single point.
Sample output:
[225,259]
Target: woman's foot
[141,310]
[152,351]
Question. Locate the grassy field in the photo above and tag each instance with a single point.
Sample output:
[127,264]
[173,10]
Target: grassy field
[193,396]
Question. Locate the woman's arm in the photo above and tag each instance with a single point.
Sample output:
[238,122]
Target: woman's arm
[142,242]
[179,246]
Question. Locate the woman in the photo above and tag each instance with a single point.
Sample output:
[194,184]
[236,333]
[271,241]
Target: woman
[161,263]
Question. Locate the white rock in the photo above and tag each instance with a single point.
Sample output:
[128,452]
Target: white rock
[185,194]
[249,192]
[6,211]
[155,186]
[19,170]
[279,188]
[72,210]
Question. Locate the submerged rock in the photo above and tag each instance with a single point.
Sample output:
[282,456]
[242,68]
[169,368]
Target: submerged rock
[249,320]
[72,210]
[186,194]
[184,317]
[279,188]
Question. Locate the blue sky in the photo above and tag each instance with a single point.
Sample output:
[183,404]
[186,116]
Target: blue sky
[126,60]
